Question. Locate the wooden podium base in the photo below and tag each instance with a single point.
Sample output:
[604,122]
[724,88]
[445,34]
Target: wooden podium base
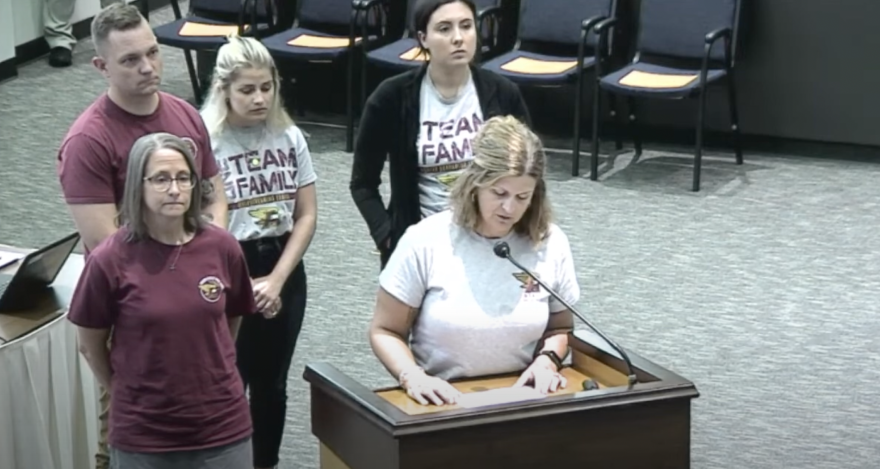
[329,459]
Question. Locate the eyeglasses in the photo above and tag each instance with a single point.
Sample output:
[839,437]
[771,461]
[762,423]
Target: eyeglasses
[162,183]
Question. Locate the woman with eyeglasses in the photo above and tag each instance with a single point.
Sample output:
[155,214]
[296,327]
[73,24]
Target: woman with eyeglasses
[423,123]
[270,186]
[173,290]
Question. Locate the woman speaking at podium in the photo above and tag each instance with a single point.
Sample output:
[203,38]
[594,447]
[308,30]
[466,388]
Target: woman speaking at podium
[468,312]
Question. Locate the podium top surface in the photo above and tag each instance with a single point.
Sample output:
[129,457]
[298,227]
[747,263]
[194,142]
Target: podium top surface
[392,409]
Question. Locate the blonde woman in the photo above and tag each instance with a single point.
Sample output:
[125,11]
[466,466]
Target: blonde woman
[468,312]
[270,185]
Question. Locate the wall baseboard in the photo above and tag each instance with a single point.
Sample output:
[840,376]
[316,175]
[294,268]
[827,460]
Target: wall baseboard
[8,70]
[37,48]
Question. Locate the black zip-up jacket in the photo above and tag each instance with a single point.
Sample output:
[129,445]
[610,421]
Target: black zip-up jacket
[389,129]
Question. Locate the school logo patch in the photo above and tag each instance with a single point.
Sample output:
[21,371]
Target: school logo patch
[448,179]
[210,288]
[265,217]
[528,283]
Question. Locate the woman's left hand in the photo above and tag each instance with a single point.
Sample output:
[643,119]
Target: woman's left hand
[543,376]
[267,292]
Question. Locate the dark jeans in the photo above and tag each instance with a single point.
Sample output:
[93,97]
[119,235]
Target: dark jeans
[265,349]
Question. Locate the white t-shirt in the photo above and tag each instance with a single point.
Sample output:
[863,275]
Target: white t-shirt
[479,313]
[262,174]
[445,142]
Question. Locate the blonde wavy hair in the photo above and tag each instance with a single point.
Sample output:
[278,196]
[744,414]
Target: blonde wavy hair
[238,54]
[504,147]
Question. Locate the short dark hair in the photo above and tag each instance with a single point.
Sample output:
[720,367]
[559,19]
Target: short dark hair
[116,17]
[424,10]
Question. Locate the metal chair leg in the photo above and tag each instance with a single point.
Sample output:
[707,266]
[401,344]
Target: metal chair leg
[349,103]
[734,118]
[576,135]
[698,152]
[634,126]
[193,77]
[594,141]
[618,130]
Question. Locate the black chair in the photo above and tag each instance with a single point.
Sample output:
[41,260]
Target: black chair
[329,31]
[209,26]
[678,55]
[555,45]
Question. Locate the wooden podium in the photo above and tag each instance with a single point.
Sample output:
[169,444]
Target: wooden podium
[644,426]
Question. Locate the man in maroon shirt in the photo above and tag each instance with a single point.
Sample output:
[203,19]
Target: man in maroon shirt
[93,157]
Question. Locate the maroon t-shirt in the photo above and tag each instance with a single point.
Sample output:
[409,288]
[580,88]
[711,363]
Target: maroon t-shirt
[93,158]
[174,382]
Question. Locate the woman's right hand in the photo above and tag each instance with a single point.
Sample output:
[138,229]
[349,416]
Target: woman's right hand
[427,390]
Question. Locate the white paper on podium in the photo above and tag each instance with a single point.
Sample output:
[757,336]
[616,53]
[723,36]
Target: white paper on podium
[7,258]
[498,396]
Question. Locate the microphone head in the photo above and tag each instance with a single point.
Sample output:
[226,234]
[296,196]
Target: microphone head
[502,250]
[590,384]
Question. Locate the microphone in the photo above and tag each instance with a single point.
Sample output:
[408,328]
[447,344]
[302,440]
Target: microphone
[502,250]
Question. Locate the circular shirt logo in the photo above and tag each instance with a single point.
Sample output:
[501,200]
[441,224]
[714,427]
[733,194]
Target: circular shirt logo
[210,288]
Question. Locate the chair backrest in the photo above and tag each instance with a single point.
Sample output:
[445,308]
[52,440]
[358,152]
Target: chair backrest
[225,9]
[559,21]
[328,12]
[678,28]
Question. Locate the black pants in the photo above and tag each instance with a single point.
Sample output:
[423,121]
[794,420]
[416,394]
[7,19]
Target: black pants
[265,349]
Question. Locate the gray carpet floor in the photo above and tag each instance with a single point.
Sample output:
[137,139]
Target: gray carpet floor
[764,288]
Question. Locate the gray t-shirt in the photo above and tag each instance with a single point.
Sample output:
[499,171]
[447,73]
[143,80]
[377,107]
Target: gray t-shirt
[262,173]
[479,313]
[446,133]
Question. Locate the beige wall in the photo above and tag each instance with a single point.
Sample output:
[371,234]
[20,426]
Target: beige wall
[7,33]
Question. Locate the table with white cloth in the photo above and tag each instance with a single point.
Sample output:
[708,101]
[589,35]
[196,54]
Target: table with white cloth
[48,394]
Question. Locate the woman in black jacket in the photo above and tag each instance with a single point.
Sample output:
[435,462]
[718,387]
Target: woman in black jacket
[423,122]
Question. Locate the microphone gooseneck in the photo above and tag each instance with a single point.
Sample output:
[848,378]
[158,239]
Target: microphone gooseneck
[502,250]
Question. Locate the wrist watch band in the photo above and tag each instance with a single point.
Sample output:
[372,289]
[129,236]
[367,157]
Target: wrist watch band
[553,357]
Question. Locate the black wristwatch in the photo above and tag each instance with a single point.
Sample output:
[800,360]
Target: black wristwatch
[553,357]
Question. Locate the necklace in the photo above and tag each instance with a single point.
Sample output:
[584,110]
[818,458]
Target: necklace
[254,160]
[176,256]
[177,251]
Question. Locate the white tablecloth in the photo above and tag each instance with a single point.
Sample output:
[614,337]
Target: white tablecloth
[48,402]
